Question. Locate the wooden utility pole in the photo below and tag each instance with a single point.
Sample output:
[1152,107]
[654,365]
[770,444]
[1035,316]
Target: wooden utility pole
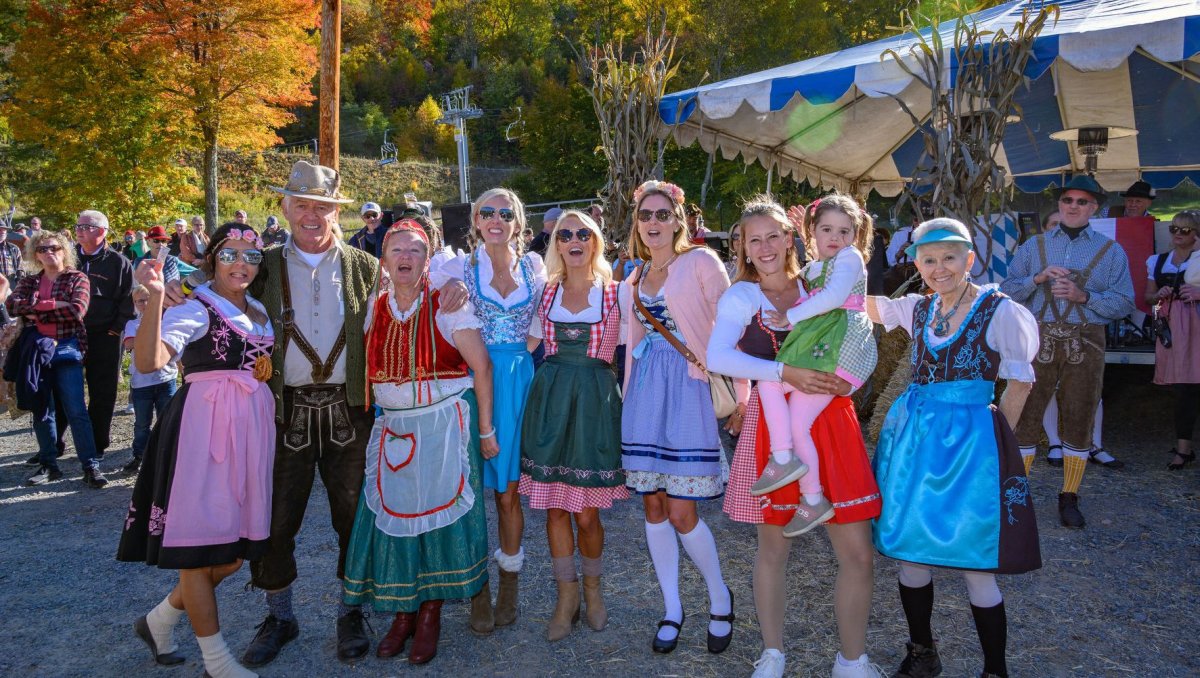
[330,88]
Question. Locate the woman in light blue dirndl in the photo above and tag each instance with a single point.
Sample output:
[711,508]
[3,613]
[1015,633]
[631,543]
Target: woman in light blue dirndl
[954,487]
[504,286]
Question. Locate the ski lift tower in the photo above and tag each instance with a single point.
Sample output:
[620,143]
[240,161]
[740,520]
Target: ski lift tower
[456,110]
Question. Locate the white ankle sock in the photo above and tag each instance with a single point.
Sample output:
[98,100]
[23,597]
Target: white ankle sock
[162,621]
[218,661]
[846,662]
[813,498]
[664,553]
[702,548]
[781,456]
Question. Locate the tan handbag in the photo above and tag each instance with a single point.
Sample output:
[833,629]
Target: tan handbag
[724,398]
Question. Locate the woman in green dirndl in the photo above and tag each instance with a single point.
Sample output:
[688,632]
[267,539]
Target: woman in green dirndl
[420,533]
[571,439]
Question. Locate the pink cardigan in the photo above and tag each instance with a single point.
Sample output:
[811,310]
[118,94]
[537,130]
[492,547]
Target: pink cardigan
[698,270]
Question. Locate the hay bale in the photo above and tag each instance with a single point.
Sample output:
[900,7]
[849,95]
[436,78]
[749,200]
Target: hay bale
[891,377]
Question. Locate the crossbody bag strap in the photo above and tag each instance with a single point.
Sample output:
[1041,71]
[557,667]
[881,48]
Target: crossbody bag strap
[658,326]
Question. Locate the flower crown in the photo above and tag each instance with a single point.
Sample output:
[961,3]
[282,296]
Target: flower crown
[672,191]
[246,234]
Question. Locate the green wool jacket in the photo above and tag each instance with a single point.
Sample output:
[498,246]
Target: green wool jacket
[359,271]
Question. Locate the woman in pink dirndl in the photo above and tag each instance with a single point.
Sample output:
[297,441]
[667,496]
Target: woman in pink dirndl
[202,501]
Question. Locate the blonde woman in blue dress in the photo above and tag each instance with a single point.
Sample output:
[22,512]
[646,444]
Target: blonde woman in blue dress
[504,285]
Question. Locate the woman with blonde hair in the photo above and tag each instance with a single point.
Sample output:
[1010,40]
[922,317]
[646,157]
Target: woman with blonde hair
[571,439]
[504,284]
[743,344]
[670,448]
[54,298]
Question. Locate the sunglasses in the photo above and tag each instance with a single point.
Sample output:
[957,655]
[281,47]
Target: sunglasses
[87,227]
[1082,202]
[565,234]
[370,215]
[228,255]
[506,214]
[662,216]
[1180,230]
[47,249]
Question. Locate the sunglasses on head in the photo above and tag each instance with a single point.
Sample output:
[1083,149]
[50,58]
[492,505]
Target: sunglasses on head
[1180,230]
[662,216]
[1082,202]
[506,214]
[47,249]
[228,255]
[565,234]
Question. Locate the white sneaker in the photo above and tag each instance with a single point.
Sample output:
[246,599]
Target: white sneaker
[769,665]
[862,668]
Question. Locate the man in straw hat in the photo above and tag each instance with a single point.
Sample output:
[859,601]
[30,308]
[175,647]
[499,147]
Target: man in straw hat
[1075,281]
[316,291]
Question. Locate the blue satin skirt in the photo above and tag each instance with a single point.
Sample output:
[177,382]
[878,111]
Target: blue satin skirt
[512,375]
[953,484]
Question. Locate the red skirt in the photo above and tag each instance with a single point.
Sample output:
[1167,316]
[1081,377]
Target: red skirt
[846,473]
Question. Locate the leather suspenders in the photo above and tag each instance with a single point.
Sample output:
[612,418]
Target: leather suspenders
[321,370]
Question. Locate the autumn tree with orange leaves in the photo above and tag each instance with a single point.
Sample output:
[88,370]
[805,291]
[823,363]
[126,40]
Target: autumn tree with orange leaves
[202,74]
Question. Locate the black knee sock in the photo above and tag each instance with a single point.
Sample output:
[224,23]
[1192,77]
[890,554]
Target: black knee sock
[918,609]
[992,626]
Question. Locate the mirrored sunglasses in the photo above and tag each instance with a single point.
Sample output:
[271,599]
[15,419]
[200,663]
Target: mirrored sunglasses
[506,214]
[566,234]
[228,255]
[662,216]
[1082,202]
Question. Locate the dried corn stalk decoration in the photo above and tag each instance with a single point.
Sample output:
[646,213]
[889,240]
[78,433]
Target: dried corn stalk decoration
[625,94]
[959,173]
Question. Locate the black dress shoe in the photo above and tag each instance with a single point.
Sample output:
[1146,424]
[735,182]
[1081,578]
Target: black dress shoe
[718,644]
[1056,462]
[273,634]
[666,646]
[132,467]
[142,629]
[352,640]
[1068,511]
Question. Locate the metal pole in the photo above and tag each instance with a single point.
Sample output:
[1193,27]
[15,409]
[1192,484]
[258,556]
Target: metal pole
[464,188]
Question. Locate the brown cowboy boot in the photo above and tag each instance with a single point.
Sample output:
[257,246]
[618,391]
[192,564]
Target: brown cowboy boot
[402,629]
[482,620]
[506,599]
[566,611]
[429,628]
[597,614]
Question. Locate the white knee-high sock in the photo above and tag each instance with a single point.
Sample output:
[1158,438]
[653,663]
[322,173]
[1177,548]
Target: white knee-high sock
[664,553]
[982,589]
[702,549]
[218,661]
[1050,421]
[162,621]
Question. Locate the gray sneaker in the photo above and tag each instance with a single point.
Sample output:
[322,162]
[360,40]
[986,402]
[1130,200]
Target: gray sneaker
[776,475]
[807,517]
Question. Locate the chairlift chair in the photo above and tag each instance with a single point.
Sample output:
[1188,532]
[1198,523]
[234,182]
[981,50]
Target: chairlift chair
[387,152]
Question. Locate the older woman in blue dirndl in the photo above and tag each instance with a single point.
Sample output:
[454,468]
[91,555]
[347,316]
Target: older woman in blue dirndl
[955,493]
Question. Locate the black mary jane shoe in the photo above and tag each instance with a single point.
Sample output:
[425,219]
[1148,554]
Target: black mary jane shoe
[718,644]
[667,646]
[1187,459]
[1094,458]
[142,629]
[1056,462]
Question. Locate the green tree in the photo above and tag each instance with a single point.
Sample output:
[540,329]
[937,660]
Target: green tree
[560,145]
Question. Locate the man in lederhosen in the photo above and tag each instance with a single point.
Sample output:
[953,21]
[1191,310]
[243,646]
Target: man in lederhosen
[1075,281]
[315,290]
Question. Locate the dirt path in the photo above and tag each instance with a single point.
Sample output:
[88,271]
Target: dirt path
[1117,599]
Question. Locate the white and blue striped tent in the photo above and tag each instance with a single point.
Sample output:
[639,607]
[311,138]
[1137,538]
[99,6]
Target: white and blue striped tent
[831,120]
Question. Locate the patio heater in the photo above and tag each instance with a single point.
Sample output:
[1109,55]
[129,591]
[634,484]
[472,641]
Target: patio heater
[1092,141]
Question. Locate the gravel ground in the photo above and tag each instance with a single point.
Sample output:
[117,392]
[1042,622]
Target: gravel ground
[1117,599]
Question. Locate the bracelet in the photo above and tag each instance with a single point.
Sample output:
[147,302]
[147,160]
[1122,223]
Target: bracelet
[490,434]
